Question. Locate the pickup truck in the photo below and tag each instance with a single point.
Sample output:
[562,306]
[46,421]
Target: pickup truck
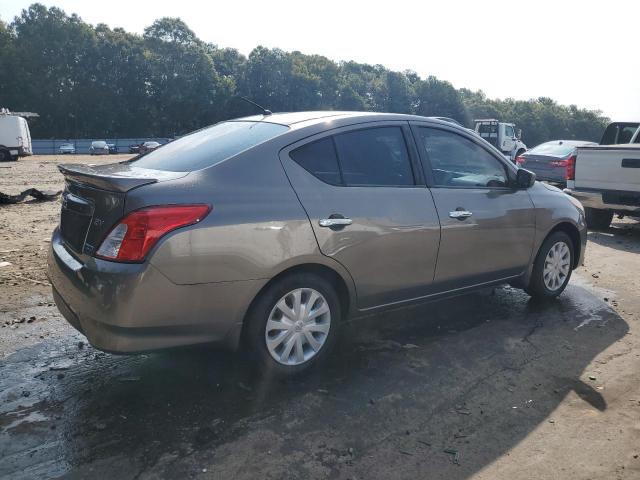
[606,180]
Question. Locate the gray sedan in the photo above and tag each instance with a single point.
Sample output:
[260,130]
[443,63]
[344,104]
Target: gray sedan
[552,161]
[269,232]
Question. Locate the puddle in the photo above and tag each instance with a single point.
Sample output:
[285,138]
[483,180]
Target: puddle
[594,305]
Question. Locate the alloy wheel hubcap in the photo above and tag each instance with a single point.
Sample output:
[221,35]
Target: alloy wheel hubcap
[298,326]
[556,266]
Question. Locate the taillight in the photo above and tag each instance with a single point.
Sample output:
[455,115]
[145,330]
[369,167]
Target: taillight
[570,172]
[132,238]
[520,160]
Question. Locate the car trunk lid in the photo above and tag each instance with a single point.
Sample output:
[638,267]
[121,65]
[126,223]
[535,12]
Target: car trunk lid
[540,163]
[94,200]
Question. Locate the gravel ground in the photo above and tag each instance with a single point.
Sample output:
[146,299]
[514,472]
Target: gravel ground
[485,386]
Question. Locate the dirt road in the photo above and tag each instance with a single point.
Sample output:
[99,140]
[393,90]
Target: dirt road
[484,386]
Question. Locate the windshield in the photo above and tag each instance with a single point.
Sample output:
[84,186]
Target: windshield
[98,144]
[553,149]
[209,146]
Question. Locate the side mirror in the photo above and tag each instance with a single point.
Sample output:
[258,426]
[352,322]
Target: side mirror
[519,135]
[525,178]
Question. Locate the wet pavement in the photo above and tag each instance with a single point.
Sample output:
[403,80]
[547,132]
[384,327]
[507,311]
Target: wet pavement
[444,389]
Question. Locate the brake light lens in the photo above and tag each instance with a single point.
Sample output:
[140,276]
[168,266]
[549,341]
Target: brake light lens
[137,233]
[520,160]
[570,172]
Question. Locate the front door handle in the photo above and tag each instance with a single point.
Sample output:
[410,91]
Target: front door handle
[335,222]
[460,214]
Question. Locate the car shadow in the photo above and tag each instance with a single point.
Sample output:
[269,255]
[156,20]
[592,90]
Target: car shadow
[446,388]
[621,235]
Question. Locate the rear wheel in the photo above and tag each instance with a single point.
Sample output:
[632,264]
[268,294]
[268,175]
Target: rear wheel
[598,219]
[5,155]
[552,267]
[293,325]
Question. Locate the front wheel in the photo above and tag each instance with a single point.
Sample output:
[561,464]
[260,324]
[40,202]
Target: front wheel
[552,267]
[293,325]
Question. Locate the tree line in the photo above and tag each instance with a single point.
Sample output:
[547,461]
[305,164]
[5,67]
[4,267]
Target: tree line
[99,82]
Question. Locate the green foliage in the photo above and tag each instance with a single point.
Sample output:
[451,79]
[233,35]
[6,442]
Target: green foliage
[92,82]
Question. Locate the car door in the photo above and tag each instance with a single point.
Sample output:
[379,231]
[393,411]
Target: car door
[364,193]
[487,225]
[508,139]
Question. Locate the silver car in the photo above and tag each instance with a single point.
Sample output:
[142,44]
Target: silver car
[552,161]
[269,232]
[99,147]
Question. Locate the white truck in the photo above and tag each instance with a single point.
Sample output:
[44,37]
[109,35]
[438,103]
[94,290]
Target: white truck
[15,138]
[501,135]
[606,179]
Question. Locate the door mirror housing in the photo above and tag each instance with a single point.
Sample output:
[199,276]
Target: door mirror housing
[525,178]
[519,134]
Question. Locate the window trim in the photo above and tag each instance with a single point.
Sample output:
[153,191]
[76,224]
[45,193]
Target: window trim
[510,170]
[403,125]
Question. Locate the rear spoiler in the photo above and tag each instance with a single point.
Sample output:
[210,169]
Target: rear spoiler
[117,177]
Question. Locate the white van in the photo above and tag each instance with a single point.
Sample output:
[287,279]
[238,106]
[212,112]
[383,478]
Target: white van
[15,138]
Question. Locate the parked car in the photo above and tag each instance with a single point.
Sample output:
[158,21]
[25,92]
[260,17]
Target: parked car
[549,160]
[146,147]
[15,137]
[112,148]
[67,148]
[135,148]
[606,179]
[268,232]
[99,147]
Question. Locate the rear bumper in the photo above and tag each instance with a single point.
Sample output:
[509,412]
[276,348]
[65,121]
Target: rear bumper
[127,308]
[598,200]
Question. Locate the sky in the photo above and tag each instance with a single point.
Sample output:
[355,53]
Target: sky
[576,52]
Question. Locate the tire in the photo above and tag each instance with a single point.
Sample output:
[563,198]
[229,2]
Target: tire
[5,156]
[265,308]
[598,219]
[539,288]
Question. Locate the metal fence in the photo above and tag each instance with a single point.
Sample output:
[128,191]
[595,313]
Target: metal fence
[50,147]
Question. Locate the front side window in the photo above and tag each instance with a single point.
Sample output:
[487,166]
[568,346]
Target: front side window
[374,156]
[508,131]
[456,161]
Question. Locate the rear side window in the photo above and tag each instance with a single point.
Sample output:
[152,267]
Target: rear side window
[209,146]
[319,158]
[374,156]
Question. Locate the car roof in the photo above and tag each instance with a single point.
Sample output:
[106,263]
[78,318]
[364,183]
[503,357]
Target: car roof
[309,118]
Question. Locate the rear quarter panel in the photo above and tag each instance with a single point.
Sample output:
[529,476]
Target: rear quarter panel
[256,229]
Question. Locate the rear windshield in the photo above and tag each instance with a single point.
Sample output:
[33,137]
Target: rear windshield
[553,149]
[618,133]
[486,129]
[209,146]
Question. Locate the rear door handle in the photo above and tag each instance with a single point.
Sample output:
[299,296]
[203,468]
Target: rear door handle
[335,222]
[460,214]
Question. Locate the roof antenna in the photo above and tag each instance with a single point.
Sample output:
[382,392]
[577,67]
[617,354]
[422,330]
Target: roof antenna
[265,112]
